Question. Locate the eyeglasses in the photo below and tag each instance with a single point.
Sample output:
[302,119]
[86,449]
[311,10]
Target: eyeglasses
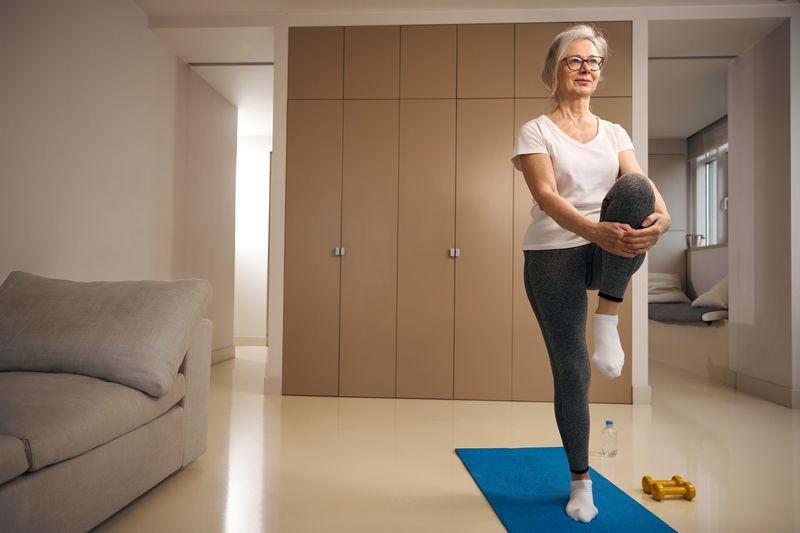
[576,62]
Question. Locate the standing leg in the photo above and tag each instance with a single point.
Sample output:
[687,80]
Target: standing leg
[555,281]
[629,201]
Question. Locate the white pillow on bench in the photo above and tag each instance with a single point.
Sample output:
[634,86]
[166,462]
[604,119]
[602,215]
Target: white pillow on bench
[663,288]
[716,296]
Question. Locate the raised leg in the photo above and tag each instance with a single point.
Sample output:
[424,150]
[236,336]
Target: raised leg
[629,201]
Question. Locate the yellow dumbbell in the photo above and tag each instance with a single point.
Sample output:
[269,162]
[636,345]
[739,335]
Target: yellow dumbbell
[648,482]
[685,490]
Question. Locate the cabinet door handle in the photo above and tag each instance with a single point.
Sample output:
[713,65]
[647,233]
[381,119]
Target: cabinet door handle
[338,251]
[455,252]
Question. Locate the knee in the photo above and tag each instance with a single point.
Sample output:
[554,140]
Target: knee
[633,187]
[634,182]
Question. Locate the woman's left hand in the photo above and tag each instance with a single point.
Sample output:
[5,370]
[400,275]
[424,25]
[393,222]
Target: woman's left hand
[640,241]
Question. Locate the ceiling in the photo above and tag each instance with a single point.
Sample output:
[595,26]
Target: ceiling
[687,73]
[688,70]
[263,7]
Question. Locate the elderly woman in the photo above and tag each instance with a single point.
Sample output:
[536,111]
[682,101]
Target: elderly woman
[594,216]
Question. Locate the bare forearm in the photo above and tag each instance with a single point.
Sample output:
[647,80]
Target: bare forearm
[567,216]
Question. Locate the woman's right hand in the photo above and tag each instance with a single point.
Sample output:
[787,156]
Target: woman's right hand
[609,236]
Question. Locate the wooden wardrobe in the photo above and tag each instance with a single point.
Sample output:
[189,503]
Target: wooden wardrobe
[404,215]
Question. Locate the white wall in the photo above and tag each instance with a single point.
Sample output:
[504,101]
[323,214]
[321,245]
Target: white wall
[706,266]
[89,142]
[94,112]
[277,212]
[205,205]
[252,221]
[760,211]
[668,172]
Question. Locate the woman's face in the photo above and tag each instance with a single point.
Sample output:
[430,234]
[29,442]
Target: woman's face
[583,81]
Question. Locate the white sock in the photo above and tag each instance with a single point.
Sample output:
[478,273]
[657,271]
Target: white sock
[608,354]
[581,504]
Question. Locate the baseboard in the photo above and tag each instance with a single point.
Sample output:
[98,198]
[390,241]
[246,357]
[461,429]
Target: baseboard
[222,354]
[642,395]
[769,391]
[730,379]
[272,386]
[721,374]
[250,341]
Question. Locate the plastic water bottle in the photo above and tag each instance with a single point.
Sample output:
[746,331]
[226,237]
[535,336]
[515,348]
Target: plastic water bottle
[609,440]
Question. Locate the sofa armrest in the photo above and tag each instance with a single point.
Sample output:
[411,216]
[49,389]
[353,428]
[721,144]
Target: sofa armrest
[196,368]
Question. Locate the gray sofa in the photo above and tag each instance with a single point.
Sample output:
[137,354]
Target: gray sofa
[103,394]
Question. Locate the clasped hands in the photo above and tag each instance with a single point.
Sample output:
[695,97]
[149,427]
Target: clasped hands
[621,239]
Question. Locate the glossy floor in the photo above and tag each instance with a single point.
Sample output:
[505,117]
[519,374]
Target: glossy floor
[301,464]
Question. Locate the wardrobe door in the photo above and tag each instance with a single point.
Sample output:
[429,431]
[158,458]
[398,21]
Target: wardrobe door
[313,226]
[486,61]
[428,62]
[603,389]
[533,380]
[426,233]
[618,110]
[315,62]
[616,80]
[531,43]
[372,62]
[369,237]
[484,228]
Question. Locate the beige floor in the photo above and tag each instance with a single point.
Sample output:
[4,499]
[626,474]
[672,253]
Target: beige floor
[298,464]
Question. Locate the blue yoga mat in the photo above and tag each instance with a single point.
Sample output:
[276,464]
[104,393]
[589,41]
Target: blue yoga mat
[528,488]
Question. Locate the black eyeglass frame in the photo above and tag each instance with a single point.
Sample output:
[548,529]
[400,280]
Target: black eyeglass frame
[585,60]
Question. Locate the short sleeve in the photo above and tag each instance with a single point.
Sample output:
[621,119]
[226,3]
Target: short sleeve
[529,141]
[623,140]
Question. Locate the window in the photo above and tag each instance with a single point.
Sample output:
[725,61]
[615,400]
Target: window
[708,185]
[709,196]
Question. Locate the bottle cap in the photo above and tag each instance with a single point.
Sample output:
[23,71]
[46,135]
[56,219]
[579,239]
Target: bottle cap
[609,422]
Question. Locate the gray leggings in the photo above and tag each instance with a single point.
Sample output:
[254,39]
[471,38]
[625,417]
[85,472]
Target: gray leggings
[556,282]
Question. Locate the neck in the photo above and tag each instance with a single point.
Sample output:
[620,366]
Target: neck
[574,110]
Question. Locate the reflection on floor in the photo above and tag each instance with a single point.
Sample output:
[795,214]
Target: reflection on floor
[301,464]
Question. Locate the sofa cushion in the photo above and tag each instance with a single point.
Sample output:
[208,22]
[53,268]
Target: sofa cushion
[130,332]
[13,460]
[59,416]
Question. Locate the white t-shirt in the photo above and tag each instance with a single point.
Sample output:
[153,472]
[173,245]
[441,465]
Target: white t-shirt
[584,174]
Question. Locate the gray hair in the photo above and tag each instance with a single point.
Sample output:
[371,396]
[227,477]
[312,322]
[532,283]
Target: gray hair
[560,45]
